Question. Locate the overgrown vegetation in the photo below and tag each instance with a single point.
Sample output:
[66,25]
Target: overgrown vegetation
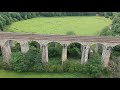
[30,62]
[114,30]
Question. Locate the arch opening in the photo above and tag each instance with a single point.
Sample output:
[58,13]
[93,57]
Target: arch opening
[15,46]
[74,51]
[35,46]
[54,52]
[115,53]
[95,51]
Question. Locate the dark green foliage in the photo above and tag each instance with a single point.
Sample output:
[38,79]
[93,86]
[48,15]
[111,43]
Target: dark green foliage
[54,50]
[72,66]
[18,62]
[16,48]
[74,50]
[29,15]
[106,32]
[116,23]
[115,53]
[70,33]
[114,67]
[26,62]
[107,14]
[116,48]
[34,44]
[1,26]
[94,66]
[31,62]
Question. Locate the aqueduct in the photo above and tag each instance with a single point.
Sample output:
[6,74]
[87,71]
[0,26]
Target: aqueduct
[43,40]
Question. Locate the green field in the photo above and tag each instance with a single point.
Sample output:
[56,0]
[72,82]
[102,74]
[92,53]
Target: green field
[84,25]
[12,74]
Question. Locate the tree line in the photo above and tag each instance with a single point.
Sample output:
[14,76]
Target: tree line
[6,18]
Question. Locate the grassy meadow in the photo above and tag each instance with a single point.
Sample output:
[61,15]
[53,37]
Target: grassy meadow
[12,74]
[85,25]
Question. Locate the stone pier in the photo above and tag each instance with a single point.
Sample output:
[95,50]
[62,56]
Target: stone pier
[24,46]
[85,51]
[106,55]
[44,53]
[6,51]
[64,53]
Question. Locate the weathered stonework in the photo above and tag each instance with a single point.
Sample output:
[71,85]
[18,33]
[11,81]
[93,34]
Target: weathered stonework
[64,53]
[85,52]
[6,51]
[43,40]
[44,53]
[24,46]
[106,55]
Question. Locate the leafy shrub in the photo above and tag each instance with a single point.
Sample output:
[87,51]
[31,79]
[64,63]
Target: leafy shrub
[56,68]
[26,62]
[106,32]
[31,62]
[38,67]
[106,71]
[70,33]
[106,16]
[71,66]
[114,67]
[74,50]
[94,65]
[116,48]
[47,68]
[16,48]
[18,62]
[54,50]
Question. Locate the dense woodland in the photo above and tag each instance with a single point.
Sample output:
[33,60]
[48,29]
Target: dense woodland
[6,18]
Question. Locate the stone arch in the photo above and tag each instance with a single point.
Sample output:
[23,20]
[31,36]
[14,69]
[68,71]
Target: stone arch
[96,47]
[35,46]
[58,42]
[54,51]
[15,46]
[74,50]
[69,43]
[34,43]
[24,45]
[6,51]
[115,49]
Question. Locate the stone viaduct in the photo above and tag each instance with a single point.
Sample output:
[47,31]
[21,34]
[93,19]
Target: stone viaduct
[43,40]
